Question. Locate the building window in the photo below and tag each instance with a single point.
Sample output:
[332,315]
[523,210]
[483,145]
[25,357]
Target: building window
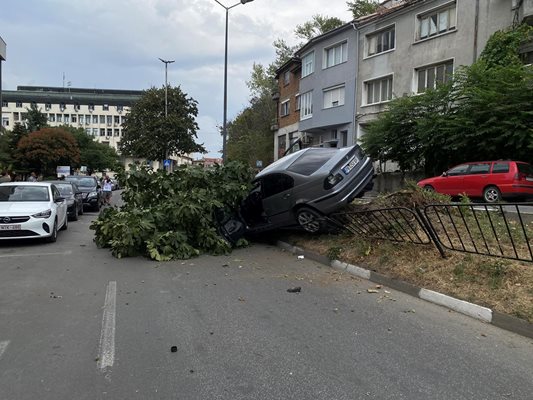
[91,107]
[81,120]
[306,106]
[5,104]
[67,118]
[109,120]
[76,107]
[87,119]
[430,77]
[59,117]
[117,119]
[344,138]
[95,119]
[120,108]
[95,131]
[336,55]
[286,77]
[109,132]
[18,104]
[378,90]
[116,132]
[102,131]
[308,64]
[334,97]
[284,108]
[282,145]
[88,131]
[102,119]
[16,116]
[62,106]
[73,118]
[298,101]
[380,41]
[47,106]
[105,107]
[5,121]
[51,118]
[436,22]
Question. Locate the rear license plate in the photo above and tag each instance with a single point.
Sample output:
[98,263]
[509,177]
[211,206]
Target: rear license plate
[348,167]
[529,179]
[9,227]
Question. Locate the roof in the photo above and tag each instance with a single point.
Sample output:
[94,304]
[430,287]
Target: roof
[292,64]
[319,38]
[386,7]
[27,183]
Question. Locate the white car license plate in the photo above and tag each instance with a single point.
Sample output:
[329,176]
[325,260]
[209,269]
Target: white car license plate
[348,167]
[529,179]
[9,227]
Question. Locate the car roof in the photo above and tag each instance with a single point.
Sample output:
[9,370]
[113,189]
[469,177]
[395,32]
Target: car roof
[285,162]
[27,183]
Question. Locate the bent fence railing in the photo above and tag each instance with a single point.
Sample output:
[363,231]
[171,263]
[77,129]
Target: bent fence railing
[496,230]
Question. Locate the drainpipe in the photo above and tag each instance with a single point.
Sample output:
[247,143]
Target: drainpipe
[354,120]
[476,29]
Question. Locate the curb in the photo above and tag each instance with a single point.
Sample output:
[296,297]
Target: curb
[503,321]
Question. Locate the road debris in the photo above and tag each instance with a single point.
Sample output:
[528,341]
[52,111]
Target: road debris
[174,349]
[301,257]
[372,291]
[296,289]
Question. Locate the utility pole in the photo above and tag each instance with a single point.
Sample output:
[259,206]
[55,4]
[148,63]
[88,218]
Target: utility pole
[166,62]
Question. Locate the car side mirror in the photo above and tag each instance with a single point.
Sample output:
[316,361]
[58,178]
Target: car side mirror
[444,174]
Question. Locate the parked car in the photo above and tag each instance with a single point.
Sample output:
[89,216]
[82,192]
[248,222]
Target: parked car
[490,180]
[114,184]
[301,188]
[73,196]
[90,188]
[31,210]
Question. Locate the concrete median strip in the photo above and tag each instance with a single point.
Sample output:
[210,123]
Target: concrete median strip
[106,355]
[3,347]
[484,314]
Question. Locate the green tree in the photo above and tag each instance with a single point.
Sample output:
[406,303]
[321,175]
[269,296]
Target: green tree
[47,148]
[35,119]
[360,8]
[94,155]
[318,25]
[149,134]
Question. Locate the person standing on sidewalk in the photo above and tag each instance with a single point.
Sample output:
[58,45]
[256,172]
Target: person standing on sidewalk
[107,190]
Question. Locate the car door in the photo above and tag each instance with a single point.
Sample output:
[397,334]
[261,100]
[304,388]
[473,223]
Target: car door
[61,207]
[475,179]
[277,197]
[451,182]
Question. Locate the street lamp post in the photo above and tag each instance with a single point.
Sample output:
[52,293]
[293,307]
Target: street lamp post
[166,62]
[224,122]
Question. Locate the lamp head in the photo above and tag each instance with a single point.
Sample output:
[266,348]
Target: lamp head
[246,1]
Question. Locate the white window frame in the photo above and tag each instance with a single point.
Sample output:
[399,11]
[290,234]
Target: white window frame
[332,95]
[369,41]
[341,47]
[373,81]
[284,108]
[425,69]
[306,105]
[297,100]
[444,14]
[308,64]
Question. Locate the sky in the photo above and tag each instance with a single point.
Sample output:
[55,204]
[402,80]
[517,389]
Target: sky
[115,44]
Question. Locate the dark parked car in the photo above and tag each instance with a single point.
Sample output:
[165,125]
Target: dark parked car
[73,196]
[490,180]
[90,188]
[301,188]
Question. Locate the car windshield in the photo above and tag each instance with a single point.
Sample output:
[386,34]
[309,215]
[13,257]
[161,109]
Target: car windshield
[65,189]
[13,193]
[312,160]
[84,181]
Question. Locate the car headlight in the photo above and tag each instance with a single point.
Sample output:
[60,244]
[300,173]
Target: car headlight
[92,194]
[43,214]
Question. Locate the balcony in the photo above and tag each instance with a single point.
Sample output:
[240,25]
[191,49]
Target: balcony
[275,95]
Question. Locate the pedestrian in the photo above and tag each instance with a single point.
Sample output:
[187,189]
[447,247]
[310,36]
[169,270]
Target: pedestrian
[107,190]
[32,177]
[4,177]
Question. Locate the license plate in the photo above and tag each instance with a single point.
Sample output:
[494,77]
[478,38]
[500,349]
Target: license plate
[9,227]
[348,167]
[529,179]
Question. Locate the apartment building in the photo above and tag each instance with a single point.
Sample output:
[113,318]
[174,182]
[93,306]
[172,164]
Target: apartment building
[100,112]
[288,106]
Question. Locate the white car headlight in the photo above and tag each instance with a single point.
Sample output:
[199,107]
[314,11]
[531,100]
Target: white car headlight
[43,214]
[92,194]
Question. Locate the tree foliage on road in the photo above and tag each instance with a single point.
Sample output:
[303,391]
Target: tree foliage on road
[485,113]
[172,216]
[149,134]
[47,148]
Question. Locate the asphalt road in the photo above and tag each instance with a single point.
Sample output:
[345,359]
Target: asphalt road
[76,323]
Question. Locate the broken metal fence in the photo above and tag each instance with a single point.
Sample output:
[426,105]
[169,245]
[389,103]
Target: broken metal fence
[496,230]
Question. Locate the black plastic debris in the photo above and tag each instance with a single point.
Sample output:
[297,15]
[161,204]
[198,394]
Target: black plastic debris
[296,289]
[174,349]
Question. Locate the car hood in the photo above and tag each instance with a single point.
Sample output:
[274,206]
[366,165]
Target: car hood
[23,207]
[87,189]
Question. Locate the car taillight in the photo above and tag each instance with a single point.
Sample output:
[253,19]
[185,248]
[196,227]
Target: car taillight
[520,176]
[332,180]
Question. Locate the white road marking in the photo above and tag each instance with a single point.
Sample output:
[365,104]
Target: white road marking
[107,337]
[3,347]
[63,253]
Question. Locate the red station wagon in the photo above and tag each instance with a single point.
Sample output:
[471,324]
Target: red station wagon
[490,180]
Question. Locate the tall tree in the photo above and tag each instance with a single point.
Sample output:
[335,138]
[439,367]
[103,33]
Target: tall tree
[318,25]
[47,148]
[149,134]
[360,8]
[35,119]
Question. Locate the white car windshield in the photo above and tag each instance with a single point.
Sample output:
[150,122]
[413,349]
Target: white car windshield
[14,193]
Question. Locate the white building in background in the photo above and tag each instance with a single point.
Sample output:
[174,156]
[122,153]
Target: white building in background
[100,112]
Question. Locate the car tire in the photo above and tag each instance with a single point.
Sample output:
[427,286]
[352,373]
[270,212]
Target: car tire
[492,194]
[53,237]
[429,188]
[309,220]
[65,225]
[75,216]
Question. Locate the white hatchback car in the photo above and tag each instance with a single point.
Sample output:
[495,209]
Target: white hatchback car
[31,210]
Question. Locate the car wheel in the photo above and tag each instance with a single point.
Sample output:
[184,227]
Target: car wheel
[65,225]
[492,194]
[429,188]
[53,237]
[309,220]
